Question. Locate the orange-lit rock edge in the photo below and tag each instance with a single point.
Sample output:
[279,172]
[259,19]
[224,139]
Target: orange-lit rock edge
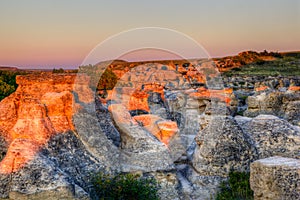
[221,95]
[41,107]
[162,129]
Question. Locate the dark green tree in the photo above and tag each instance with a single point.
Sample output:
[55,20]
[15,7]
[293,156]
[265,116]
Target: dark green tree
[107,81]
[8,82]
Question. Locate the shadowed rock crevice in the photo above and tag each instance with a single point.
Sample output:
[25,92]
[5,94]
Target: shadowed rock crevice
[106,123]
[69,154]
[3,147]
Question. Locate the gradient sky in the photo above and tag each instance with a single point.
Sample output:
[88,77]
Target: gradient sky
[61,33]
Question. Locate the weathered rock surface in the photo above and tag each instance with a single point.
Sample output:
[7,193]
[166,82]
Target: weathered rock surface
[276,95]
[33,118]
[282,104]
[272,136]
[251,82]
[222,146]
[60,170]
[142,151]
[275,178]
[43,157]
[228,143]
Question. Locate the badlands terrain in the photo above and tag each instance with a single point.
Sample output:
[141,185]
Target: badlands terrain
[185,123]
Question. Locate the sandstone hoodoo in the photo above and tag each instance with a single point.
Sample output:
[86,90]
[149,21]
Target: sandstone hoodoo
[42,106]
[174,121]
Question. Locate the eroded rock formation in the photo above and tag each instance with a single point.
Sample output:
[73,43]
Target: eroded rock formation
[283,104]
[33,117]
[40,108]
[171,126]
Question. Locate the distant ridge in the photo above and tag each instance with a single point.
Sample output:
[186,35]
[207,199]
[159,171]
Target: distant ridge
[7,68]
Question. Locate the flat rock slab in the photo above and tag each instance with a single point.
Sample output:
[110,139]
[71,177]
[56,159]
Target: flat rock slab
[275,178]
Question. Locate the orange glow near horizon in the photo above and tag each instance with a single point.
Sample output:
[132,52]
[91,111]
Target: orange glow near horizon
[61,34]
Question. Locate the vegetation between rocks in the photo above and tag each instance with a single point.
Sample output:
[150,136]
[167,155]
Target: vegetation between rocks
[8,83]
[237,187]
[125,187]
[106,81]
[285,66]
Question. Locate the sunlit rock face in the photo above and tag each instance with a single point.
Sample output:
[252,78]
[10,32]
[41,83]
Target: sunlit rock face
[138,101]
[220,95]
[159,127]
[43,155]
[41,107]
[294,88]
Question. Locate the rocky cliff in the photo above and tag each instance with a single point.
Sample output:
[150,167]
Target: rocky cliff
[40,142]
[55,133]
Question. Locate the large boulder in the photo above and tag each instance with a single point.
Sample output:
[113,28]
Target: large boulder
[222,146]
[140,149]
[61,169]
[275,178]
[272,136]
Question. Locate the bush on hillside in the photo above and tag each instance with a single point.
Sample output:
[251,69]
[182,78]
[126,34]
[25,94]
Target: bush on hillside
[125,187]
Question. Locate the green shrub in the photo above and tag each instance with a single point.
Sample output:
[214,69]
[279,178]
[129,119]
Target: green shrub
[125,187]
[236,69]
[241,113]
[237,187]
[5,89]
[286,66]
[164,67]
[8,82]
[60,70]
[107,81]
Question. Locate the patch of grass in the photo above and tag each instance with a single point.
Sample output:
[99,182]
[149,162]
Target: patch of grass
[243,97]
[286,66]
[237,187]
[241,113]
[125,187]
